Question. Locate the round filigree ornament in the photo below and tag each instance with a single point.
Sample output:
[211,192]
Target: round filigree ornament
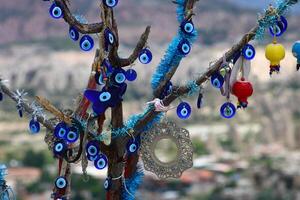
[180,137]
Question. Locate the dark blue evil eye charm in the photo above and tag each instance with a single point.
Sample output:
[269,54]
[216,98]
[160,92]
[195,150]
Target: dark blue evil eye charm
[101,161]
[131,75]
[86,43]
[59,148]
[1,96]
[34,126]
[227,110]
[109,37]
[110,3]
[279,28]
[73,33]
[107,184]
[72,135]
[248,52]
[132,146]
[145,56]
[55,11]
[104,96]
[61,182]
[184,110]
[217,80]
[119,76]
[187,26]
[184,47]
[99,78]
[92,148]
[200,100]
[61,130]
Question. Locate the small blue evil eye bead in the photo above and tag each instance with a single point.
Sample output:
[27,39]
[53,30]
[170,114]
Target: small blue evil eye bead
[34,126]
[99,78]
[132,146]
[184,47]
[61,182]
[101,161]
[184,110]
[217,80]
[187,26]
[73,33]
[55,11]
[227,110]
[119,76]
[92,148]
[131,75]
[104,96]
[109,37]
[72,135]
[61,130]
[86,43]
[145,56]
[107,184]
[279,28]
[110,3]
[59,148]
[248,52]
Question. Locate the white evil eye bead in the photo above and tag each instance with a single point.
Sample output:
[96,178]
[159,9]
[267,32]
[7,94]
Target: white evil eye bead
[61,129]
[34,126]
[184,110]
[145,56]
[107,184]
[187,26]
[110,3]
[248,52]
[104,96]
[61,182]
[120,78]
[184,47]
[72,135]
[132,146]
[73,33]
[109,36]
[131,75]
[55,11]
[101,162]
[59,148]
[227,110]
[86,43]
[92,148]
[217,80]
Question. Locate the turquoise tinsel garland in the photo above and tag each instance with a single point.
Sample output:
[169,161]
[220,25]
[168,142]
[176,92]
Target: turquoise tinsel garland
[132,184]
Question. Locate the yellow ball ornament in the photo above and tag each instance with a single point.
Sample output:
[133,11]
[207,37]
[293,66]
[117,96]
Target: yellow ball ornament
[275,53]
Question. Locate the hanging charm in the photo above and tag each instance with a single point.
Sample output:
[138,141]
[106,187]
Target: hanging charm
[184,110]
[296,53]
[145,56]
[275,52]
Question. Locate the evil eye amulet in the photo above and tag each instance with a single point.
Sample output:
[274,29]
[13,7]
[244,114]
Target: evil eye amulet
[132,146]
[92,148]
[110,3]
[187,26]
[72,135]
[109,36]
[73,33]
[59,148]
[248,52]
[86,43]
[104,96]
[279,28]
[99,78]
[217,80]
[184,47]
[145,56]
[131,75]
[34,126]
[119,76]
[1,96]
[184,110]
[107,184]
[227,110]
[56,11]
[61,182]
[61,130]
[101,162]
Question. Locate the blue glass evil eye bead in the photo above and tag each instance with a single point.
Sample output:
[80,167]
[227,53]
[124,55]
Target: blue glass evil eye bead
[110,3]
[248,52]
[145,56]
[107,184]
[86,43]
[104,96]
[55,11]
[217,80]
[61,130]
[279,28]
[101,161]
[61,182]
[99,78]
[131,75]
[92,148]
[119,76]
[184,47]
[72,135]
[227,110]
[184,110]
[34,126]
[73,33]
[132,146]
[187,26]
[109,37]
[59,148]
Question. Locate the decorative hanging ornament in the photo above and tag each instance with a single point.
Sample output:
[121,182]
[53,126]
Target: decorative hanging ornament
[110,3]
[92,149]
[248,52]
[242,89]
[59,148]
[72,135]
[101,161]
[107,184]
[109,38]
[296,53]
[217,80]
[184,47]
[275,52]
[280,27]
[86,43]
[187,27]
[55,11]
[61,182]
[1,95]
[184,110]
[227,110]
[61,130]
[34,126]
[145,56]
[200,100]
[132,146]
[131,75]
[73,33]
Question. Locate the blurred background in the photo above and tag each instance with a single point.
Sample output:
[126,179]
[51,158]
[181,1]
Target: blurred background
[256,155]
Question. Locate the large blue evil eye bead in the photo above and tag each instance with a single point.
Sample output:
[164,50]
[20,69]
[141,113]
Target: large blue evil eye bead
[248,52]
[86,43]
[184,110]
[107,184]
[59,148]
[61,130]
[73,33]
[101,162]
[131,75]
[34,126]
[132,146]
[61,182]
[104,96]
[55,11]
[145,56]
[217,80]
[279,28]
[109,36]
[110,3]
[92,148]
[72,135]
[184,47]
[187,26]
[227,110]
